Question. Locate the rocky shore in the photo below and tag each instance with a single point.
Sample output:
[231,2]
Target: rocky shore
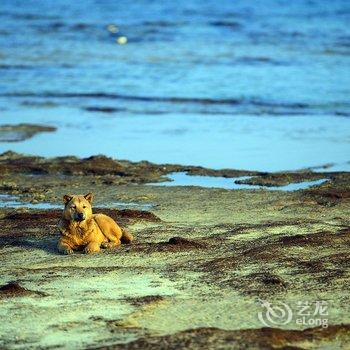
[202,262]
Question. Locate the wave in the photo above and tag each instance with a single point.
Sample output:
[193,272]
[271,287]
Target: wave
[201,105]
[191,100]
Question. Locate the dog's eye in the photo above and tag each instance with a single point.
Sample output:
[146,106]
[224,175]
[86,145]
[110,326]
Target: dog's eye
[84,206]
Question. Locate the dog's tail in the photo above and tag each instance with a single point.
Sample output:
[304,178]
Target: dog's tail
[127,237]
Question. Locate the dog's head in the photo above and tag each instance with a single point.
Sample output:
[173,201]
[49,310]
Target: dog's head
[77,208]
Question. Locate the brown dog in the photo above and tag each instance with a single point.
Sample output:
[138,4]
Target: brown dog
[80,229]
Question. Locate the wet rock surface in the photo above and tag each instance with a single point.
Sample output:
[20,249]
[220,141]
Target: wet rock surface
[140,172]
[21,132]
[264,338]
[281,179]
[110,171]
[13,289]
[201,261]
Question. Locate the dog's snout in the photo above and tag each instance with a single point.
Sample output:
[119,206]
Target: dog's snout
[80,216]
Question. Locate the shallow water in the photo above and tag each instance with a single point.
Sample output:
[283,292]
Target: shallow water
[260,85]
[182,179]
[9,201]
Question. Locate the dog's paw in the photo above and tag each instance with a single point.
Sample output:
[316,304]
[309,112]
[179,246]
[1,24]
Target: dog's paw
[90,249]
[67,251]
[110,245]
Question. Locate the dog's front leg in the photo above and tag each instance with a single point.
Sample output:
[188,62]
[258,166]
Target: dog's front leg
[92,247]
[64,247]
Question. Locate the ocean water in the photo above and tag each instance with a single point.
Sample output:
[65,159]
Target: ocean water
[261,85]
[183,179]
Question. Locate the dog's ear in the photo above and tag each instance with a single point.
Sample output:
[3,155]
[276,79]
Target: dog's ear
[67,198]
[89,197]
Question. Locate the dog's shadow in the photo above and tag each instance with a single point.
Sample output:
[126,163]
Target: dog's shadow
[47,244]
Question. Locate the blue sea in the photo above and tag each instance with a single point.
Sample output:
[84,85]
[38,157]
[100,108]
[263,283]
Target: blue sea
[259,85]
